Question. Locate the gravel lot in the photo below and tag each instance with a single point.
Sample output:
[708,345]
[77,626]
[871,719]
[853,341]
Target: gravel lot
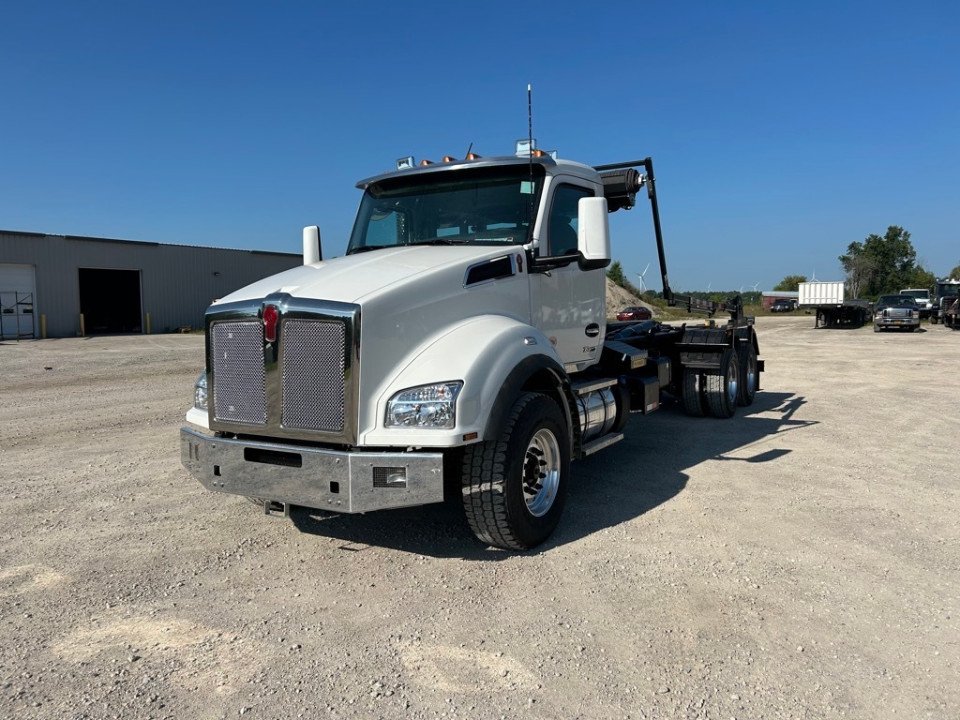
[799,561]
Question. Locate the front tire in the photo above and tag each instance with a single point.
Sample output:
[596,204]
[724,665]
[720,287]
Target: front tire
[514,487]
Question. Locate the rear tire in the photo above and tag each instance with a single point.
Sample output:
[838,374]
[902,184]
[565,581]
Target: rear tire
[749,377]
[514,487]
[693,392]
[722,388]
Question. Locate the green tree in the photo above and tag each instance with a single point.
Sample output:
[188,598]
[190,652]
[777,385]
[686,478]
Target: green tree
[790,282]
[921,278]
[880,264]
[615,273]
[955,273]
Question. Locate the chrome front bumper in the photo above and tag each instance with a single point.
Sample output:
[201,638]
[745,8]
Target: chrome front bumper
[897,322]
[347,482]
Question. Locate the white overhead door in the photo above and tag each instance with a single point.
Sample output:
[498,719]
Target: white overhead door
[17,301]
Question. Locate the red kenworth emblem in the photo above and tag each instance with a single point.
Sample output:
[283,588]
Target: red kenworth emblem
[270,317]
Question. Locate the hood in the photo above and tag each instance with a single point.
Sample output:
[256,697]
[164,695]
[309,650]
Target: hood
[353,278]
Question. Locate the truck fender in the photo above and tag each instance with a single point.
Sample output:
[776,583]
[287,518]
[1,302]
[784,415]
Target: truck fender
[483,352]
[538,373]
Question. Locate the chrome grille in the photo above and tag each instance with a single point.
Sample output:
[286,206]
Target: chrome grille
[239,382]
[313,375]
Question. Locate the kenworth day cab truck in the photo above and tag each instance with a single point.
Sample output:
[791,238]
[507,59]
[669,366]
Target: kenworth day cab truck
[460,345]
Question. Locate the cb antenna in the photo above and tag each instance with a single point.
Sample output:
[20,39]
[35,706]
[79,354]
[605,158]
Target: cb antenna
[530,154]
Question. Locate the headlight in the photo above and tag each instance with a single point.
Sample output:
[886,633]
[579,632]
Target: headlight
[200,392]
[427,406]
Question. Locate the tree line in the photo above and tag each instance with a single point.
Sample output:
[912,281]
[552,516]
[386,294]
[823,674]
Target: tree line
[878,265]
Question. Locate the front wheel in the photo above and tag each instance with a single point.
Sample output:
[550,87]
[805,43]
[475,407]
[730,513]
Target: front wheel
[514,487]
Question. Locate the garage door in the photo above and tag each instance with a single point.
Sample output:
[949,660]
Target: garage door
[17,301]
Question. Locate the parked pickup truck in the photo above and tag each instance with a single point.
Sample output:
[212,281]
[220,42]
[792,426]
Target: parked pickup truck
[922,298]
[896,311]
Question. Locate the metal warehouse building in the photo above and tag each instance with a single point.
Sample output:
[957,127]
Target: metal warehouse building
[117,286]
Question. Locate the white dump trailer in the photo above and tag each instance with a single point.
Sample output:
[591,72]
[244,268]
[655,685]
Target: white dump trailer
[832,306]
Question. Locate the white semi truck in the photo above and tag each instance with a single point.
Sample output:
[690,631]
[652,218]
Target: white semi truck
[459,346]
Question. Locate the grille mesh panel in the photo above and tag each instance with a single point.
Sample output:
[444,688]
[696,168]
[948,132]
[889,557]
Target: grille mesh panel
[313,375]
[239,383]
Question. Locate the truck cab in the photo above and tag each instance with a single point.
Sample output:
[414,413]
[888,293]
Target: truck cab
[458,346]
[945,306]
[922,298]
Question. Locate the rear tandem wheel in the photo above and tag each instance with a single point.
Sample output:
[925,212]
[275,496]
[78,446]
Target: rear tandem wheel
[722,388]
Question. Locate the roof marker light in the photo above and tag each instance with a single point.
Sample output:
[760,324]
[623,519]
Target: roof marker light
[425,162]
[449,158]
[473,156]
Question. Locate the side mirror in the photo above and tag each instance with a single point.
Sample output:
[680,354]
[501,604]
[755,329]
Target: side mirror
[593,234]
[311,245]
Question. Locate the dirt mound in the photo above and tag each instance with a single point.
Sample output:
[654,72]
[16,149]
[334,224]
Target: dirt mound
[618,299]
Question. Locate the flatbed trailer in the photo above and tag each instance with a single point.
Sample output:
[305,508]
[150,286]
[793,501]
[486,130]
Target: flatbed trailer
[833,309]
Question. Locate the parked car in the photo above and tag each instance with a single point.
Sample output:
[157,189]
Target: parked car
[782,305]
[635,313]
[896,311]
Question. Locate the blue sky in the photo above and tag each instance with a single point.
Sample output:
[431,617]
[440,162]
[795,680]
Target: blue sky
[780,133]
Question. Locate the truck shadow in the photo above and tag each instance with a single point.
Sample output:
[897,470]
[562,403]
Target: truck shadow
[645,470]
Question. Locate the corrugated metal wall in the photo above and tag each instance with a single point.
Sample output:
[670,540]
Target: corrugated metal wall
[177,282]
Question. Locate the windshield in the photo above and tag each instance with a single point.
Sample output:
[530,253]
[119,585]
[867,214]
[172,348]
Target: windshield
[485,206]
[923,294]
[896,301]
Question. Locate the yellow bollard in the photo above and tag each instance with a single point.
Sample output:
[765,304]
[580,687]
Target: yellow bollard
[148,323]
[83,332]
[43,327]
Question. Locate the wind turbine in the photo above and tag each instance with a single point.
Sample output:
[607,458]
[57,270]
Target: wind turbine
[643,285]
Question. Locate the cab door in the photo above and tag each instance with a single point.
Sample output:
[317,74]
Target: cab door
[568,303]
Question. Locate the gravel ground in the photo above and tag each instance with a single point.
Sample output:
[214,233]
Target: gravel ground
[799,561]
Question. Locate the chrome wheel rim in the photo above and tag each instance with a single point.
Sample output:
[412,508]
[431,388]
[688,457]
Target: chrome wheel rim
[751,375]
[541,472]
[732,383]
